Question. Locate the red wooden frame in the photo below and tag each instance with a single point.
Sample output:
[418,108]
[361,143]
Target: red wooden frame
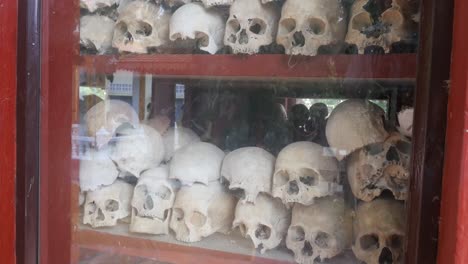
[453,245]
[8,52]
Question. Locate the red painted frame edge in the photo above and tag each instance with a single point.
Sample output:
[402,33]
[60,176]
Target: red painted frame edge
[8,52]
[453,245]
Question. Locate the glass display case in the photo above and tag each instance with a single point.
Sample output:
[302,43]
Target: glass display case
[242,131]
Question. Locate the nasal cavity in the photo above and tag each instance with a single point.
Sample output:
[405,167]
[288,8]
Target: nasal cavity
[148,205]
[307,249]
[293,188]
[386,256]
[243,37]
[298,39]
[100,216]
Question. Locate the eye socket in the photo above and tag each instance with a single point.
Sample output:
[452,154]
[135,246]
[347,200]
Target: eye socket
[257,26]
[287,25]
[316,26]
[282,177]
[323,240]
[203,40]
[369,242]
[296,233]
[361,21]
[374,149]
[178,214]
[403,146]
[198,219]
[263,232]
[163,192]
[234,25]
[111,205]
[309,177]
[396,241]
[149,204]
[143,28]
[91,207]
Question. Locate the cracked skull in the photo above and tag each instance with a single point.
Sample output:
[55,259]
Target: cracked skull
[322,230]
[266,222]
[104,206]
[141,26]
[152,201]
[306,25]
[202,210]
[250,26]
[380,166]
[379,231]
[305,171]
[248,171]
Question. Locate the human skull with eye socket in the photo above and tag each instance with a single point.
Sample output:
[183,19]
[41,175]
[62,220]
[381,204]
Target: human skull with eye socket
[379,231]
[250,26]
[306,25]
[104,206]
[322,230]
[305,171]
[380,166]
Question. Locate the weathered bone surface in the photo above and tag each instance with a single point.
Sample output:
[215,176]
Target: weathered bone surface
[305,171]
[380,166]
[354,124]
[96,33]
[206,27]
[197,162]
[379,231]
[250,26]
[103,119]
[152,201]
[320,231]
[248,171]
[93,5]
[211,3]
[367,28]
[266,222]
[201,210]
[176,138]
[98,170]
[307,25]
[141,26]
[139,149]
[269,1]
[107,205]
[405,119]
[173,3]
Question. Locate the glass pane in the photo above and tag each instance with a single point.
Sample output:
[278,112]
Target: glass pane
[242,131]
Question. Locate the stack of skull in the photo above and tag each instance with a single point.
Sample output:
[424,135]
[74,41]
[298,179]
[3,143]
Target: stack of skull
[301,27]
[194,189]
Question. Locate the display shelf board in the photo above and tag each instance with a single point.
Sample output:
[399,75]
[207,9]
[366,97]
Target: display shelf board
[379,67]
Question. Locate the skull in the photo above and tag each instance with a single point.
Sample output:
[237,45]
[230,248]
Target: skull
[380,166]
[405,119]
[248,172]
[354,124]
[322,230]
[96,33]
[211,3]
[98,170]
[266,222]
[379,231]
[138,150]
[206,27]
[201,210]
[305,171]
[176,138]
[250,26]
[104,206]
[103,119]
[369,28]
[152,201]
[197,162]
[306,25]
[93,5]
[140,27]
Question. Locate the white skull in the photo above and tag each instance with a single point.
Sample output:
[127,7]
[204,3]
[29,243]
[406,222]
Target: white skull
[98,170]
[103,119]
[201,210]
[306,25]
[380,166]
[152,201]
[140,27]
[206,27]
[176,138]
[305,171]
[250,26]
[248,172]
[211,3]
[197,162]
[93,5]
[367,29]
[266,222]
[139,149]
[104,206]
[379,231]
[354,124]
[96,33]
[405,119]
[322,230]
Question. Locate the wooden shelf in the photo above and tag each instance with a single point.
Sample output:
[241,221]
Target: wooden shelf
[380,67]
